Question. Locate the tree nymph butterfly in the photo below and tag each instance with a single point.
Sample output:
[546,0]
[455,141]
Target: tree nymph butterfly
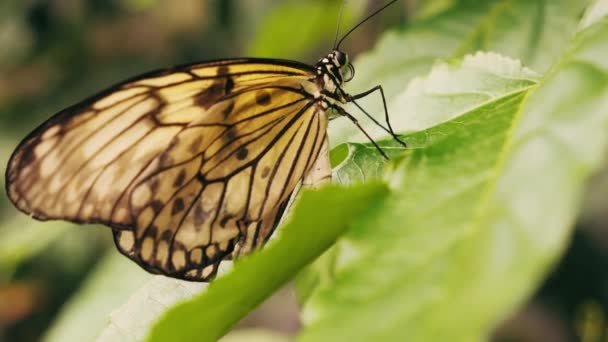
[189,165]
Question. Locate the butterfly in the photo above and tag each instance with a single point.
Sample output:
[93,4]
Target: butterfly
[190,165]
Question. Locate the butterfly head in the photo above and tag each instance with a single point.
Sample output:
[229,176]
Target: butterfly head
[335,68]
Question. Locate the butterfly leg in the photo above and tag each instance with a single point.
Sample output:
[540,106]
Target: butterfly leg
[389,130]
[354,120]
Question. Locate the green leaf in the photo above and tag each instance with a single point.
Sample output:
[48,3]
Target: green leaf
[530,31]
[308,234]
[477,215]
[447,92]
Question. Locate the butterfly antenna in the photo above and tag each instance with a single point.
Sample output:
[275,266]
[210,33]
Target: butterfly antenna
[362,21]
[339,20]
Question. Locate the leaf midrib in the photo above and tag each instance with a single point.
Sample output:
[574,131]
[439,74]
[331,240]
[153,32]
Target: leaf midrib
[482,211]
[490,179]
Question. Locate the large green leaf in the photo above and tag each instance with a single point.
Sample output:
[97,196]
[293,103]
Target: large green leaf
[309,233]
[362,162]
[531,31]
[477,214]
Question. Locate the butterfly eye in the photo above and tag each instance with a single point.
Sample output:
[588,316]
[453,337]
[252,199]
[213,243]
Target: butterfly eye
[341,58]
[348,73]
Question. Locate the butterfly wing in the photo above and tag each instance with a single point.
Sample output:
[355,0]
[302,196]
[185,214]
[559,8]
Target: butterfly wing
[195,208]
[186,165]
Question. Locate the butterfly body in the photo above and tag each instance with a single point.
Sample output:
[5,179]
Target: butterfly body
[189,165]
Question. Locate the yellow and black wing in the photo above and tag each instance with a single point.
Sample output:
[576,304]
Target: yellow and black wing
[187,165]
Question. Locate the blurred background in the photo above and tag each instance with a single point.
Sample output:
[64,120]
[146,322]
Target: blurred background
[54,53]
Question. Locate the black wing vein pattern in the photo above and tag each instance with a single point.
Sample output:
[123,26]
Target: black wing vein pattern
[188,166]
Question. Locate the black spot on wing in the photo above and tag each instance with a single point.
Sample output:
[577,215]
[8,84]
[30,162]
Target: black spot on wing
[165,158]
[221,87]
[229,85]
[210,95]
[265,172]
[151,231]
[195,145]
[179,180]
[242,153]
[156,205]
[166,235]
[154,185]
[229,108]
[178,206]
[230,135]
[262,98]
